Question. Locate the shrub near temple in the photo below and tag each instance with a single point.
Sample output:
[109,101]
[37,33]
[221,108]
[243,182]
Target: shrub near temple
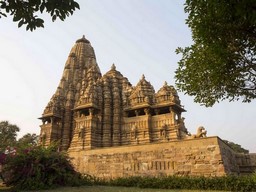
[40,168]
[226,183]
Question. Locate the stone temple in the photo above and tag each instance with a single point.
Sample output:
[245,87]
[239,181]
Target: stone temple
[113,129]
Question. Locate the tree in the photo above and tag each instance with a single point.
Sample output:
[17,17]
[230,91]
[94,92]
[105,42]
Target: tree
[25,11]
[8,134]
[40,168]
[28,140]
[221,64]
[236,147]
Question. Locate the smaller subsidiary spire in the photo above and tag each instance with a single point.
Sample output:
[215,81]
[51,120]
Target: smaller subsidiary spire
[83,40]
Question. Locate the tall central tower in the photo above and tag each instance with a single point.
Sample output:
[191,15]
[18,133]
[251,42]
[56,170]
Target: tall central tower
[58,115]
[89,110]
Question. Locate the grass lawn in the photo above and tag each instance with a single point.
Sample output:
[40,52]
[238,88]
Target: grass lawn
[106,189]
[110,189]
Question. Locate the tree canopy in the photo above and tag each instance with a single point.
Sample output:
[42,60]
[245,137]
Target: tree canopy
[221,64]
[236,147]
[28,140]
[8,134]
[8,137]
[25,12]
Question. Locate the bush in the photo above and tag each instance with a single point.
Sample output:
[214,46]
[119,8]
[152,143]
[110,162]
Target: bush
[40,168]
[227,183]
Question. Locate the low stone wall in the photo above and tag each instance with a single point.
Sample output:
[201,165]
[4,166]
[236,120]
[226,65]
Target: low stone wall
[253,162]
[253,159]
[229,158]
[246,162]
[205,156]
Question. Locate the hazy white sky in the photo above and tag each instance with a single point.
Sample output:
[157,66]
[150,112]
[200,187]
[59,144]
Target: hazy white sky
[140,37]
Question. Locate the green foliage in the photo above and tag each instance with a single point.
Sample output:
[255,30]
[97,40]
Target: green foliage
[40,168]
[254,176]
[25,12]
[8,134]
[126,182]
[227,183]
[28,140]
[8,137]
[236,147]
[221,64]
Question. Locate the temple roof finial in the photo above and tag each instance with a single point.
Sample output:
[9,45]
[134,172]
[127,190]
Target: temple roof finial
[143,77]
[113,67]
[83,39]
[165,84]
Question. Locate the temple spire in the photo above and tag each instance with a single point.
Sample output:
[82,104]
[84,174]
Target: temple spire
[89,110]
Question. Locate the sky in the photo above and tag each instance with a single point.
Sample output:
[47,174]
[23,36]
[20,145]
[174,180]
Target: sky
[139,37]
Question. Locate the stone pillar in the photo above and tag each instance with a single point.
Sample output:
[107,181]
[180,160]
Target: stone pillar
[91,110]
[56,129]
[156,111]
[77,142]
[95,142]
[117,112]
[174,132]
[107,119]
[147,132]
[88,132]
[67,127]
[92,130]
[99,131]
[173,121]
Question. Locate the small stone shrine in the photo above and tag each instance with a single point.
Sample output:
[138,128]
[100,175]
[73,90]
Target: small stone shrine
[113,129]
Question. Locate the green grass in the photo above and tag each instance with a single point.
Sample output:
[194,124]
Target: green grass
[107,189]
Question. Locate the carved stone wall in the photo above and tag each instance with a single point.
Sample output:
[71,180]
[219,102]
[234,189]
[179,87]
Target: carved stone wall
[205,156]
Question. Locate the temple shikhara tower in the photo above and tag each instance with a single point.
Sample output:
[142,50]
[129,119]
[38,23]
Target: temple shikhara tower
[89,110]
[114,129]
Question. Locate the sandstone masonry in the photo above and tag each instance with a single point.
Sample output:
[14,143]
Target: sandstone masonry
[114,129]
[188,157]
